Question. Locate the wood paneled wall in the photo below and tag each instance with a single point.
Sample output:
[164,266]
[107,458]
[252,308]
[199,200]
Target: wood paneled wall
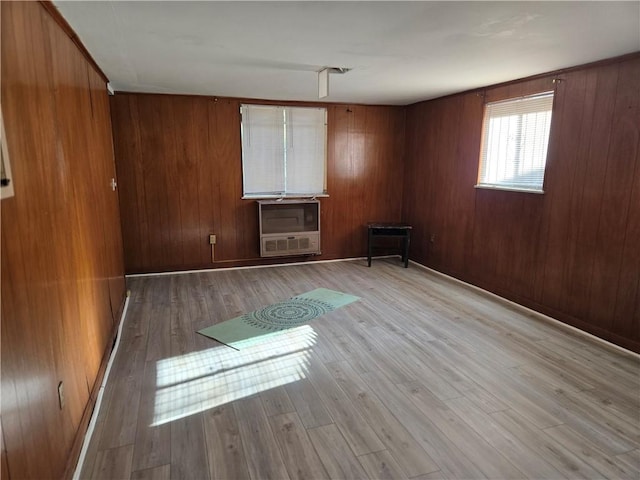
[180,171]
[62,267]
[572,253]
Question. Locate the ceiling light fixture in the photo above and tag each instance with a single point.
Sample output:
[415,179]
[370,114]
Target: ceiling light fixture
[323,79]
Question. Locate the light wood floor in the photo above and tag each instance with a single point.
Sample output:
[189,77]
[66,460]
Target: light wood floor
[421,378]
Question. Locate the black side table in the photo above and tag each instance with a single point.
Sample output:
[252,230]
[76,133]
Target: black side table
[390,230]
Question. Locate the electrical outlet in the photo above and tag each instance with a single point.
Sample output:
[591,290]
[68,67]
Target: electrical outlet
[212,239]
[61,395]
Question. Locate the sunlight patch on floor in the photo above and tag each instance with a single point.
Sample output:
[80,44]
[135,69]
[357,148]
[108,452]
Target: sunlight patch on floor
[198,381]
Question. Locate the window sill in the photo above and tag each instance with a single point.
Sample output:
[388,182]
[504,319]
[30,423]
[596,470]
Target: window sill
[509,189]
[284,197]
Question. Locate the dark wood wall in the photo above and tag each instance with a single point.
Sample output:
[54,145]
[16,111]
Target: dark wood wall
[573,252]
[62,268]
[179,165]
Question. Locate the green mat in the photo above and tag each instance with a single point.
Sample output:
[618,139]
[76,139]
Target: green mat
[257,326]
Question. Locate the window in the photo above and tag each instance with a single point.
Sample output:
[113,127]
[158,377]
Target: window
[514,143]
[283,151]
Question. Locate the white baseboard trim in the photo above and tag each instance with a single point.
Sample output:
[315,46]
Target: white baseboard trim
[96,409]
[249,267]
[529,311]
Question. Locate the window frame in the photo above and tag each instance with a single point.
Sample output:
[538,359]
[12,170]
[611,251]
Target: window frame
[286,129]
[483,156]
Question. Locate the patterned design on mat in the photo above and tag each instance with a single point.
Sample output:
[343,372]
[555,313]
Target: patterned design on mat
[283,315]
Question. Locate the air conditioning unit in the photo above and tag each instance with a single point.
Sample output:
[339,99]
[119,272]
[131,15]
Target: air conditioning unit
[308,244]
[289,227]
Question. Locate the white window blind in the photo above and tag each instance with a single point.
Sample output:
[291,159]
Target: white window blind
[283,151]
[515,141]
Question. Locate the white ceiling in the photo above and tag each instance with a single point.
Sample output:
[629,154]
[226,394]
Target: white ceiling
[400,52]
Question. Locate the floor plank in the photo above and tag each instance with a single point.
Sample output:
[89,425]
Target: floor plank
[335,454]
[381,466]
[612,433]
[153,442]
[298,453]
[121,411]
[188,455]
[488,459]
[276,402]
[162,472]
[565,461]
[263,456]
[509,445]
[113,463]
[451,460]
[400,444]
[358,434]
[631,460]
[224,444]
[307,404]
[93,448]
[590,452]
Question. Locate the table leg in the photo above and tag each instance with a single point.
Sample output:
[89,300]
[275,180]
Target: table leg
[369,248]
[407,241]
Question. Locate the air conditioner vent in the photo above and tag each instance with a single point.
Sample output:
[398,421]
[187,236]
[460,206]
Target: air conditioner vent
[303,244]
[271,245]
